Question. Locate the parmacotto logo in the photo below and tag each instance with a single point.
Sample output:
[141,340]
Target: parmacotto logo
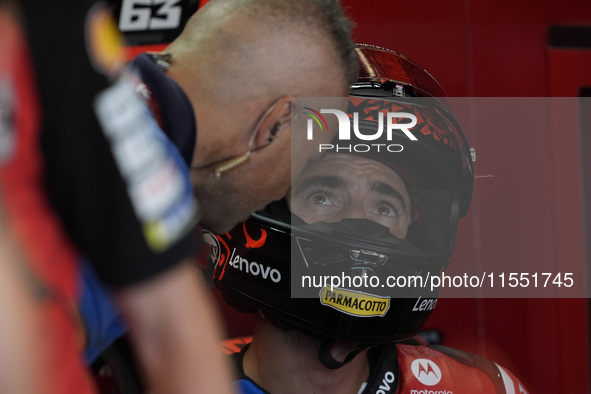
[354,303]
[426,371]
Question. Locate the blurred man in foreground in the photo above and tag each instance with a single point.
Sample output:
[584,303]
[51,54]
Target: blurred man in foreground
[89,174]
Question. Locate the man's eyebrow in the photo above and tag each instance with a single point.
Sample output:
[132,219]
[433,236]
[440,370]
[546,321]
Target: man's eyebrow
[332,181]
[384,188]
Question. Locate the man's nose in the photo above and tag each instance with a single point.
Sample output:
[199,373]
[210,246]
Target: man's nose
[353,210]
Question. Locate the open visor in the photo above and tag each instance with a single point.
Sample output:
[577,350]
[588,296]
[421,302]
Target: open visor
[422,145]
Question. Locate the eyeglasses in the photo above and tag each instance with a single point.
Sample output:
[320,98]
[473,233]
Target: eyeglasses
[228,163]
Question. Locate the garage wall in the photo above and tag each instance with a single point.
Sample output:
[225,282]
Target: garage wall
[480,48]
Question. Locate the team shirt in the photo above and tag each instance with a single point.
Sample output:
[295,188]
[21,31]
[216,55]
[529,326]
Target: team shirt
[174,115]
[410,368]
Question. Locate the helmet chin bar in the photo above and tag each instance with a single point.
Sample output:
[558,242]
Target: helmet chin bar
[358,262]
[359,258]
[368,257]
[329,246]
[365,261]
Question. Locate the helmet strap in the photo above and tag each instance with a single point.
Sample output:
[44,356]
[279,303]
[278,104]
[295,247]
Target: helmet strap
[327,345]
[325,354]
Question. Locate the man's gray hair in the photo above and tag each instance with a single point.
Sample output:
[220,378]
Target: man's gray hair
[310,17]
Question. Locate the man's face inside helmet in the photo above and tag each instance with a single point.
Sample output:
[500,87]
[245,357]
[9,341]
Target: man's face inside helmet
[342,185]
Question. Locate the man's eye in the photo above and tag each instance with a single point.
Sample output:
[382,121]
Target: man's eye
[383,210]
[387,210]
[318,198]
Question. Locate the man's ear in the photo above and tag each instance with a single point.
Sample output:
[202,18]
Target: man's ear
[279,117]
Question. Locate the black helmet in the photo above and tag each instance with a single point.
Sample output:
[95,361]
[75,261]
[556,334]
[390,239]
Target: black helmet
[262,263]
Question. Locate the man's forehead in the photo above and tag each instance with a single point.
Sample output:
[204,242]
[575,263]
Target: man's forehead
[343,170]
[344,163]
